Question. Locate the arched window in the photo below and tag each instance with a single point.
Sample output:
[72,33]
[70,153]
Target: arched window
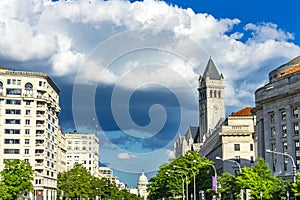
[28,86]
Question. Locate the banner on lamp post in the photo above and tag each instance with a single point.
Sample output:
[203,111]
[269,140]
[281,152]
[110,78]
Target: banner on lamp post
[214,183]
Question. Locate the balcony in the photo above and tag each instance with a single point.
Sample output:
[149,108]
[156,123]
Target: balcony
[39,144]
[28,97]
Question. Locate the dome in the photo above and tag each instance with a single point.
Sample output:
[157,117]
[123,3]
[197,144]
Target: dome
[143,179]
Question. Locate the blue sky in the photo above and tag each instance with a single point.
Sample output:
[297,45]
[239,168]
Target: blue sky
[134,65]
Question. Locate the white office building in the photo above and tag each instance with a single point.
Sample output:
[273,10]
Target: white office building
[29,108]
[83,149]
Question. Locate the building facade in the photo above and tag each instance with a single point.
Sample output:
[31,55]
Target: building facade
[189,141]
[29,108]
[211,111]
[230,139]
[107,173]
[211,100]
[232,145]
[83,149]
[277,115]
[142,185]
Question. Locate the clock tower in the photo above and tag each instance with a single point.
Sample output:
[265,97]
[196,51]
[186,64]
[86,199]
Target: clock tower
[211,99]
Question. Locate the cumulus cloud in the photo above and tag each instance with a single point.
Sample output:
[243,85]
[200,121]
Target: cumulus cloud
[126,156]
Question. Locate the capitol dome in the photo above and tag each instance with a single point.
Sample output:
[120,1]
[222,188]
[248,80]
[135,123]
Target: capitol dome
[143,179]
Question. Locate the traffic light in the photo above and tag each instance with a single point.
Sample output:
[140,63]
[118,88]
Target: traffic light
[201,195]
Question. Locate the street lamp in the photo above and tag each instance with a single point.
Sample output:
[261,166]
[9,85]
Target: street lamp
[215,171]
[238,164]
[183,197]
[187,188]
[293,162]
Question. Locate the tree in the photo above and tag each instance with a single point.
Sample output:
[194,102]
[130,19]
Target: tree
[261,182]
[229,189]
[75,183]
[79,183]
[296,186]
[168,180]
[16,179]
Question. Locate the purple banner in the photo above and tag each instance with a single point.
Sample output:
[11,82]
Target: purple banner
[214,183]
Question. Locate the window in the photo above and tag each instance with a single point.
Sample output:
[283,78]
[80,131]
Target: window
[296,128]
[26,151]
[40,83]
[11,151]
[283,115]
[285,149]
[26,160]
[8,81]
[251,147]
[27,121]
[27,103]
[13,111]
[27,112]
[283,130]
[12,131]
[251,159]
[27,141]
[13,101]
[28,86]
[27,131]
[273,132]
[295,113]
[236,147]
[13,91]
[273,148]
[297,152]
[12,121]
[11,141]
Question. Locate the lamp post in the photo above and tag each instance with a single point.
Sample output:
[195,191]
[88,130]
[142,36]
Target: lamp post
[240,170]
[238,164]
[187,188]
[293,162]
[215,171]
[183,197]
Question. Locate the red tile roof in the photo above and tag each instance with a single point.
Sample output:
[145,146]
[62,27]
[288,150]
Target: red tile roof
[244,112]
[293,70]
[2,68]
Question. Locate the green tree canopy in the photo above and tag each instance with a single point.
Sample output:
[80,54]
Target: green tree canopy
[16,178]
[168,180]
[79,183]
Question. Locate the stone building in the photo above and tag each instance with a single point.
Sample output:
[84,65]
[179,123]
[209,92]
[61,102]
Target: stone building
[83,149]
[232,138]
[277,115]
[233,142]
[141,189]
[29,126]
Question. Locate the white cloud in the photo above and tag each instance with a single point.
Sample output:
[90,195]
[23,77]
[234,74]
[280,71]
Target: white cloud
[64,34]
[126,156]
[171,154]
